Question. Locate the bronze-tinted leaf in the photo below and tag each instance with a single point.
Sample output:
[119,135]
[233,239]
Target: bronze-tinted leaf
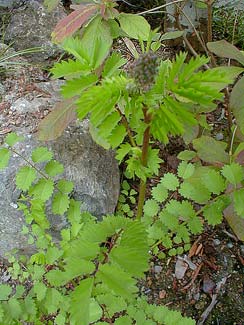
[226,50]
[54,124]
[70,24]
[237,103]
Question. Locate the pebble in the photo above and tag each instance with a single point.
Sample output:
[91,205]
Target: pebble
[216,242]
[242,249]
[14,205]
[219,136]
[157,269]
[230,245]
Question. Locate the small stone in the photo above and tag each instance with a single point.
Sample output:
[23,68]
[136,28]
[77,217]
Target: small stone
[219,136]
[162,294]
[230,245]
[157,268]
[216,242]
[242,249]
[180,269]
[14,205]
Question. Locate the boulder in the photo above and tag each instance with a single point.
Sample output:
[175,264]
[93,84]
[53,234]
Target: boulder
[93,170]
[31,26]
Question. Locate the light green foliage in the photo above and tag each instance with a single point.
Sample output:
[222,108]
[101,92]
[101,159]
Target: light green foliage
[25,177]
[4,157]
[127,199]
[233,173]
[112,254]
[41,154]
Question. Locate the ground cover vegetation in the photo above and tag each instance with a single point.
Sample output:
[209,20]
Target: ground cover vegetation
[90,276]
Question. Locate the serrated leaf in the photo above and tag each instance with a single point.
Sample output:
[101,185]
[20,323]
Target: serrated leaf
[60,319]
[4,157]
[153,161]
[233,173]
[40,290]
[213,212]
[65,186]
[195,225]
[70,69]
[53,300]
[112,65]
[25,177]
[134,26]
[74,214]
[159,193]
[60,203]
[41,154]
[122,151]
[1,313]
[95,311]
[72,270]
[70,24]
[53,254]
[12,138]
[113,303]
[214,182]
[151,208]
[211,150]
[195,191]
[117,281]
[117,136]
[43,189]
[75,87]
[170,181]
[97,41]
[5,291]
[54,168]
[53,125]
[123,320]
[185,170]
[14,308]
[108,124]
[238,197]
[80,302]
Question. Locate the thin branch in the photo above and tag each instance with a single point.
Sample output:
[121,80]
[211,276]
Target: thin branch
[159,7]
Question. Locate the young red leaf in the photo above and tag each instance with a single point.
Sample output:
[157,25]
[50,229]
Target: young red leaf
[70,24]
[54,124]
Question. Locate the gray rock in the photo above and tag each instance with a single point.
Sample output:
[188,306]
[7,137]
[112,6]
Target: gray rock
[31,26]
[93,170]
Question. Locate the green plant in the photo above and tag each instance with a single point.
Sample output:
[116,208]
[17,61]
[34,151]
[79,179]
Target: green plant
[6,57]
[90,276]
[228,23]
[155,99]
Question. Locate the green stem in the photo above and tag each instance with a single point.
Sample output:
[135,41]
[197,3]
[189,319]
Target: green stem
[145,147]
